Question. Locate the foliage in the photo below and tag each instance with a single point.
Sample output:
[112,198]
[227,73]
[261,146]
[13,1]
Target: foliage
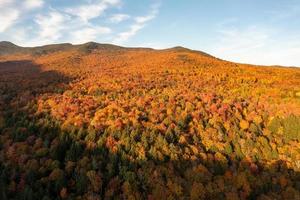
[114,123]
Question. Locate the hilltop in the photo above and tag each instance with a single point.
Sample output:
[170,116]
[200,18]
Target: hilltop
[99,121]
[8,48]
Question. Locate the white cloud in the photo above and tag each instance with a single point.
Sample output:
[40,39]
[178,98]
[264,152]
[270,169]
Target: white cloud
[234,39]
[31,4]
[87,12]
[8,17]
[61,27]
[257,45]
[71,24]
[139,23]
[88,34]
[117,18]
[155,45]
[4,3]
[124,36]
[144,19]
[11,11]
[38,22]
[51,25]
[150,16]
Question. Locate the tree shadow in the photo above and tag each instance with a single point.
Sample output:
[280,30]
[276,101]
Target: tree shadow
[17,77]
[21,82]
[40,160]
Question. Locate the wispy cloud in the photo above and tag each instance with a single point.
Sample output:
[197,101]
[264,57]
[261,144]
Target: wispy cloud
[56,26]
[124,36]
[242,40]
[72,24]
[51,25]
[139,23]
[92,10]
[11,11]
[117,18]
[39,22]
[8,17]
[31,4]
[256,45]
[90,34]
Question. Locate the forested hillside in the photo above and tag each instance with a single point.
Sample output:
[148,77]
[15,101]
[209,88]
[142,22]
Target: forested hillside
[104,122]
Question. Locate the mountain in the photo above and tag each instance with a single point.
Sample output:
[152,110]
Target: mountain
[8,48]
[99,121]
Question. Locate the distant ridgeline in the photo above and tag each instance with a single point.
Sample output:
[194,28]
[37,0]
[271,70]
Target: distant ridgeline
[7,48]
[10,48]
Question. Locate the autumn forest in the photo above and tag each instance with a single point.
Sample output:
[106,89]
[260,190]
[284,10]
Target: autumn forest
[98,121]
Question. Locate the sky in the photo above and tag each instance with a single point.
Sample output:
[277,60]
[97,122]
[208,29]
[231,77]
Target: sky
[263,32]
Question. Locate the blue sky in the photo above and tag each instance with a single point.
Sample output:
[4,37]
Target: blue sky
[248,31]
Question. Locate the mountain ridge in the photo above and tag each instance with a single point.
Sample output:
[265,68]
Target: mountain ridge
[9,48]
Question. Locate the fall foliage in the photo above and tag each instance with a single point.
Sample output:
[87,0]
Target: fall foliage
[118,123]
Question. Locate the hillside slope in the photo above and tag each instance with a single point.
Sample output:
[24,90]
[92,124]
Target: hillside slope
[98,121]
